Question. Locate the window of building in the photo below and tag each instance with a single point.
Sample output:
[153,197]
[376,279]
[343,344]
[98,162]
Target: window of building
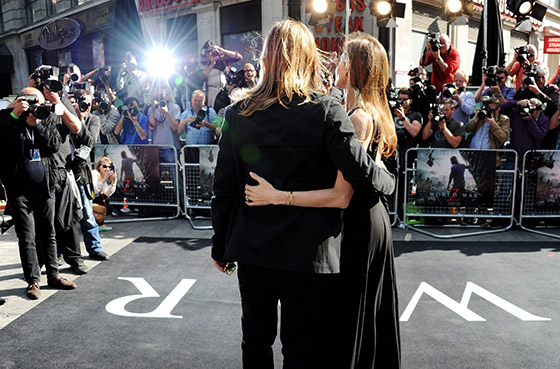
[241,30]
[50,7]
[1,18]
[29,14]
[182,36]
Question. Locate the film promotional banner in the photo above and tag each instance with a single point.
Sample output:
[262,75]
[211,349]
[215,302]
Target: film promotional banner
[451,177]
[207,160]
[136,166]
[548,180]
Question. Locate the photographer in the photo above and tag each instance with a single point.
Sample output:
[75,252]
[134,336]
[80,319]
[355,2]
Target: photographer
[216,61]
[249,76]
[423,94]
[108,119]
[83,143]
[408,123]
[528,125]
[164,117]
[442,130]
[132,127]
[488,129]
[67,205]
[132,82]
[198,124]
[522,56]
[102,84]
[494,85]
[29,131]
[533,86]
[464,100]
[445,60]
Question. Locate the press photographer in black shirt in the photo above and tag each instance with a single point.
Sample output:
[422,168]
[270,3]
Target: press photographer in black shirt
[28,129]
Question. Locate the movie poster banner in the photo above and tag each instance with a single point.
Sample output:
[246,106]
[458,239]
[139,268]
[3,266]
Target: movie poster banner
[456,177]
[136,166]
[548,180]
[207,162]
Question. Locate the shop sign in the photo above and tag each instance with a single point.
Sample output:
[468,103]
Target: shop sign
[551,45]
[59,34]
[331,36]
[146,7]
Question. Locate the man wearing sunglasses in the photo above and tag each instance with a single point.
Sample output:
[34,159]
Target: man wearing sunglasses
[536,87]
[499,90]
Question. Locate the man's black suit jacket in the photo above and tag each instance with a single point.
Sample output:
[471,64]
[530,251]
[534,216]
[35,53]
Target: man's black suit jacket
[297,148]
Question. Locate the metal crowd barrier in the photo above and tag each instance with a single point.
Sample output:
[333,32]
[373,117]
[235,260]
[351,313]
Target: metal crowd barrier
[418,211]
[541,190]
[166,196]
[392,199]
[198,176]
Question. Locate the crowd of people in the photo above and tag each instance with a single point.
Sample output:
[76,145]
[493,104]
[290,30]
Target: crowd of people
[278,218]
[54,193]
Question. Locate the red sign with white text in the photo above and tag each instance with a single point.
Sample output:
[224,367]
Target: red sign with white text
[551,45]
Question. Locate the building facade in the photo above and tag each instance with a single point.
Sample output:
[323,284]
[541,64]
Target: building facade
[35,32]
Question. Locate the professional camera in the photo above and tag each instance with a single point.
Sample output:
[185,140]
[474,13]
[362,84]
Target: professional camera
[39,111]
[414,72]
[162,103]
[438,115]
[105,73]
[525,111]
[393,100]
[522,53]
[47,76]
[73,76]
[132,111]
[199,117]
[490,73]
[83,105]
[433,39]
[531,74]
[485,111]
[452,89]
[103,105]
[234,76]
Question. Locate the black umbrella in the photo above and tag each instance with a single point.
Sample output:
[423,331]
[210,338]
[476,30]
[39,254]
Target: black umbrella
[490,42]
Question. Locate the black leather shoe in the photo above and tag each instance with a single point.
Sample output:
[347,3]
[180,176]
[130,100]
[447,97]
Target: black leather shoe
[79,268]
[101,255]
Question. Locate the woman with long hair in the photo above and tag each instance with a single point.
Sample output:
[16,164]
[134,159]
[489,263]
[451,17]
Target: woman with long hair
[288,132]
[369,329]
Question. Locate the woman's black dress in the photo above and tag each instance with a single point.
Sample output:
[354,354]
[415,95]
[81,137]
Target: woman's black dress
[369,305]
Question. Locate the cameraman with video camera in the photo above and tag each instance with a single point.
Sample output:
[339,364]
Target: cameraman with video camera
[30,133]
[442,130]
[132,127]
[494,85]
[488,129]
[464,100]
[443,57]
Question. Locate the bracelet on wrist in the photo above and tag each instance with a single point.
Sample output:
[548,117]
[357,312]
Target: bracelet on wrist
[290,198]
[13,115]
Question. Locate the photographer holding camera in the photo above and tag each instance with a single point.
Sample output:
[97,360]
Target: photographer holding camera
[522,56]
[132,127]
[102,84]
[83,143]
[198,123]
[164,117]
[132,82]
[494,85]
[442,130]
[488,129]
[464,100]
[216,61]
[443,57]
[534,86]
[408,123]
[29,131]
[108,117]
[528,125]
